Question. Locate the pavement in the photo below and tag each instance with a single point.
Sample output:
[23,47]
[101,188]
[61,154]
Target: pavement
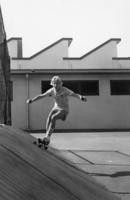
[103,155]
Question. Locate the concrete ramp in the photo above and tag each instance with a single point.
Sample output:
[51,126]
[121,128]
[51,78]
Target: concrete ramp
[29,173]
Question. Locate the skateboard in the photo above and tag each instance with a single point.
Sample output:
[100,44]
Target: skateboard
[42,143]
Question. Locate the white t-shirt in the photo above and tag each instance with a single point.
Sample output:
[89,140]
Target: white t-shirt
[61,97]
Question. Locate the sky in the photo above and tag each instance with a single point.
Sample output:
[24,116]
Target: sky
[90,23]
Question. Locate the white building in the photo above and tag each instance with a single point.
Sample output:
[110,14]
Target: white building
[99,74]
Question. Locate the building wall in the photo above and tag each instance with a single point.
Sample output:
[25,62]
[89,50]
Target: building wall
[12,46]
[18,104]
[100,59]
[52,58]
[100,112]
[121,63]
[56,54]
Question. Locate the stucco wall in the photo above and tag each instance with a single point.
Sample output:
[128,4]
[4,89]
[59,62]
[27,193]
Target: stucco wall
[51,58]
[18,105]
[100,112]
[121,63]
[13,48]
[99,59]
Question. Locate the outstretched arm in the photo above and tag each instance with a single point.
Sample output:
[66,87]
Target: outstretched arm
[40,96]
[82,98]
[36,98]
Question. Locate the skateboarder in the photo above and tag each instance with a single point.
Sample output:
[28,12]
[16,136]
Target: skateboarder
[61,106]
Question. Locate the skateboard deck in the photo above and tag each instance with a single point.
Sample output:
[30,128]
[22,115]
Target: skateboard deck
[41,143]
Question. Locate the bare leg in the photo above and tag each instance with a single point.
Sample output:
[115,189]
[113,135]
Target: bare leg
[48,123]
[51,122]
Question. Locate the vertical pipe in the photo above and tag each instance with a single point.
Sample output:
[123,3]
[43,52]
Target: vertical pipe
[27,105]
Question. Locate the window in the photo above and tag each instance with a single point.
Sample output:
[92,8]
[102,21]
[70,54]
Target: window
[45,85]
[120,87]
[84,87]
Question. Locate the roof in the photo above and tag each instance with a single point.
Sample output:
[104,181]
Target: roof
[69,42]
[68,71]
[45,49]
[121,58]
[95,49]
[14,38]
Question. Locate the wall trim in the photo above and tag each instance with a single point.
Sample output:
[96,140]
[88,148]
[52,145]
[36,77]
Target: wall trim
[78,130]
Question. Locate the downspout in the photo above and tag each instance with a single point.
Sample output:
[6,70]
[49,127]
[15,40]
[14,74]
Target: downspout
[27,105]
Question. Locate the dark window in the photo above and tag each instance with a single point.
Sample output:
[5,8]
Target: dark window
[45,85]
[72,85]
[120,87]
[89,87]
[84,87]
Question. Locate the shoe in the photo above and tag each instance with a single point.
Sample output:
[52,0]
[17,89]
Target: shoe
[46,140]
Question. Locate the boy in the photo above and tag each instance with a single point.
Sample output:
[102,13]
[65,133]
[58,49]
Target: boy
[61,106]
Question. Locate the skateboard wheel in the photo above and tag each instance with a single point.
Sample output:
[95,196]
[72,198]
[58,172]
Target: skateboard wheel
[45,147]
[40,140]
[40,145]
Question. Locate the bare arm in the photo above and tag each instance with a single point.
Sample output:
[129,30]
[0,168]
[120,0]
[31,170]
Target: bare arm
[82,98]
[40,96]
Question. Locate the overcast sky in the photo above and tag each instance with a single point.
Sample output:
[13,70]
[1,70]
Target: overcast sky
[89,22]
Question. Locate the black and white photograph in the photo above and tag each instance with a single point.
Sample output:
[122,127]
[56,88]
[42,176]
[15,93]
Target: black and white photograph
[64,100]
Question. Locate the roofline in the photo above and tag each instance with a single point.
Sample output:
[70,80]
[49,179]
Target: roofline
[93,50]
[45,49]
[121,58]
[14,38]
[69,71]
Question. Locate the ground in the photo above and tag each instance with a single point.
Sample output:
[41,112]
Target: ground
[103,155]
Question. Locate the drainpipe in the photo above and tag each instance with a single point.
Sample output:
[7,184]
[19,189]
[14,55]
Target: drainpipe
[27,105]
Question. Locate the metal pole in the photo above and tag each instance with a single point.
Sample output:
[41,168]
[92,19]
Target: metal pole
[27,105]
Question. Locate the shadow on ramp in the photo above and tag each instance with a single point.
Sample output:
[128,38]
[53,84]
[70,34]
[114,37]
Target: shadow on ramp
[29,173]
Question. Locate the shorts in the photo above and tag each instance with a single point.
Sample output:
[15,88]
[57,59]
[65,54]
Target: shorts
[59,114]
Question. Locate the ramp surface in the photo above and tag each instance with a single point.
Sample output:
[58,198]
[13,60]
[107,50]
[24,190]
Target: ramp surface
[29,173]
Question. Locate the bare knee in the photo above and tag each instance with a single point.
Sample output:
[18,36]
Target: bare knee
[53,119]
